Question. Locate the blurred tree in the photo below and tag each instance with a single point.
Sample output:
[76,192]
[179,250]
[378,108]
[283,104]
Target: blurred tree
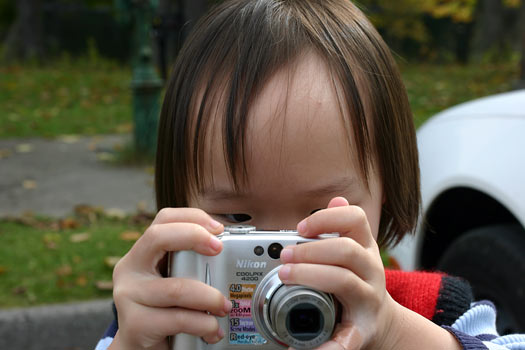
[24,38]
[521,83]
[462,26]
[7,14]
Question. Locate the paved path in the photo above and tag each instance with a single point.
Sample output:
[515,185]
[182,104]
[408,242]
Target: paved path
[50,177]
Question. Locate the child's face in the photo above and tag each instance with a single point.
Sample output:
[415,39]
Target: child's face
[297,157]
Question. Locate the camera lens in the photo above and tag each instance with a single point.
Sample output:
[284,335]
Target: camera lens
[274,250]
[304,321]
[258,250]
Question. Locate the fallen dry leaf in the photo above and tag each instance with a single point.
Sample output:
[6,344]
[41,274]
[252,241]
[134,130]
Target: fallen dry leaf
[51,240]
[24,148]
[80,237]
[130,235]
[3,270]
[124,128]
[69,139]
[115,213]
[68,223]
[104,285]
[150,170]
[19,290]
[81,281]
[105,156]
[64,270]
[29,184]
[142,218]
[4,153]
[111,261]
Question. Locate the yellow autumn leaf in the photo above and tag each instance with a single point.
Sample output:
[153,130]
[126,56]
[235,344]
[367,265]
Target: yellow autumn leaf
[29,184]
[4,153]
[111,261]
[24,148]
[64,270]
[80,237]
[69,139]
[130,235]
[104,285]
[115,213]
[81,281]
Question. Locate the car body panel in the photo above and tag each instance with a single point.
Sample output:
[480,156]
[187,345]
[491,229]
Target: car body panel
[478,145]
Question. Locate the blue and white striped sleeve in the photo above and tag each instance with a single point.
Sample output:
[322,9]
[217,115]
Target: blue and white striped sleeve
[106,340]
[476,330]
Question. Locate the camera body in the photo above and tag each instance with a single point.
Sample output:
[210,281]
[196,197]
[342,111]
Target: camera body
[266,313]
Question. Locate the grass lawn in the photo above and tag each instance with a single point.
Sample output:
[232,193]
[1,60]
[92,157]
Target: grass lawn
[46,261]
[432,88]
[85,96]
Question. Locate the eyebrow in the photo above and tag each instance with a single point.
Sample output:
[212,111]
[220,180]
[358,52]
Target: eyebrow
[337,186]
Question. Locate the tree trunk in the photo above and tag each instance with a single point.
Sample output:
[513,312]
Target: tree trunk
[24,39]
[521,83]
[488,26]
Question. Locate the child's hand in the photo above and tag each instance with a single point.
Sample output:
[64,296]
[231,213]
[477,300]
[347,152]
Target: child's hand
[150,307]
[350,268]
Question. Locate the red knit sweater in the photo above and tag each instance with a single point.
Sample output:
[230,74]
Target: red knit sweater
[434,295]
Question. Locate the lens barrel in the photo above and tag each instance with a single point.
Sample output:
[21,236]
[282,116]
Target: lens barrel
[293,315]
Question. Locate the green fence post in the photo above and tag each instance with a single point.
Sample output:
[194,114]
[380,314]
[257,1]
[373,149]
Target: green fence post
[146,84]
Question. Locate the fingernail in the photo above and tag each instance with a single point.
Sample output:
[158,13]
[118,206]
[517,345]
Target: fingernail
[286,255]
[214,224]
[220,333]
[215,243]
[227,306]
[301,227]
[284,273]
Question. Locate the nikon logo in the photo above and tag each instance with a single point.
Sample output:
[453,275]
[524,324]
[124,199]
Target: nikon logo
[249,264]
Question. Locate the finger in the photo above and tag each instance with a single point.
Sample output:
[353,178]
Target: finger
[349,221]
[193,215]
[338,202]
[172,237]
[160,323]
[345,337]
[341,251]
[181,292]
[344,284]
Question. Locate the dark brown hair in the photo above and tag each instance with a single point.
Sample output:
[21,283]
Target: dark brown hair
[238,46]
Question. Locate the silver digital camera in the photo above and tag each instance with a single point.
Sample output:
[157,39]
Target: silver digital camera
[266,313]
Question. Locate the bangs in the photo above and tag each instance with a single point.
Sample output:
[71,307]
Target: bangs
[237,50]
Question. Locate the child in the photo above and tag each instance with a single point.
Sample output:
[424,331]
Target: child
[291,114]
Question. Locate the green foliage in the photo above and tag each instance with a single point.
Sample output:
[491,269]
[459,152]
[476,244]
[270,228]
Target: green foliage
[87,95]
[432,88]
[407,19]
[457,10]
[399,19]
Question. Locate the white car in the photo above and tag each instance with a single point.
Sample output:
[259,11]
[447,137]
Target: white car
[472,159]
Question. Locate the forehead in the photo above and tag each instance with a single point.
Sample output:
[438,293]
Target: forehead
[295,131]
